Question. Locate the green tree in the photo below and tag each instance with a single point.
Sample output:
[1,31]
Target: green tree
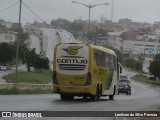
[30,57]
[118,53]
[60,23]
[22,50]
[22,36]
[97,33]
[135,64]
[154,67]
[7,53]
[75,28]
[41,63]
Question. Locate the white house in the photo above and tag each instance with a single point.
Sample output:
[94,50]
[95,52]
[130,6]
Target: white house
[7,37]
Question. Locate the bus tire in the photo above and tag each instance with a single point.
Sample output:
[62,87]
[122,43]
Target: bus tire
[93,98]
[85,97]
[98,94]
[63,97]
[70,97]
[111,97]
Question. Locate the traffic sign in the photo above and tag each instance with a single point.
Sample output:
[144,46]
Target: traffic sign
[150,49]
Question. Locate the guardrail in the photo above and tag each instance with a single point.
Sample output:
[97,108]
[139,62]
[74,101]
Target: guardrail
[24,86]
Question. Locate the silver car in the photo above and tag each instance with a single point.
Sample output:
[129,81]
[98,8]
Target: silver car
[3,68]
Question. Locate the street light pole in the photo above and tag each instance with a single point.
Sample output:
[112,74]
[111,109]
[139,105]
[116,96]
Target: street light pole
[89,18]
[17,51]
[89,6]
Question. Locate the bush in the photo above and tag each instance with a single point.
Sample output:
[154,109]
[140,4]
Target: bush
[154,67]
[135,64]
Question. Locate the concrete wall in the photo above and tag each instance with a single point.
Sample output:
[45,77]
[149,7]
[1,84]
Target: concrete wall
[23,86]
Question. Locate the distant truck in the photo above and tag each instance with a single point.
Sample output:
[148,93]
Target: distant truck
[85,70]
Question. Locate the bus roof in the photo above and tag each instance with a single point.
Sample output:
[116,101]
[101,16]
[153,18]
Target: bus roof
[109,51]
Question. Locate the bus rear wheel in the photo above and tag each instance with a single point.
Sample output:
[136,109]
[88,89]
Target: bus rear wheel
[111,97]
[66,97]
[97,96]
[70,97]
[63,97]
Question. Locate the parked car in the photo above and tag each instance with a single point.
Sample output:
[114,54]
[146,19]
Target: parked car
[31,69]
[124,85]
[3,68]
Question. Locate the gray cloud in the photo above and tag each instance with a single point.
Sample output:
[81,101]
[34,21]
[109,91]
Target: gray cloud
[137,10]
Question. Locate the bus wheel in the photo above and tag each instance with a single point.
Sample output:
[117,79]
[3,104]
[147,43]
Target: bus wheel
[63,97]
[98,94]
[111,97]
[85,97]
[93,97]
[70,97]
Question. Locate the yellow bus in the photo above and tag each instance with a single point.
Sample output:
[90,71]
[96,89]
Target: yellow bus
[85,70]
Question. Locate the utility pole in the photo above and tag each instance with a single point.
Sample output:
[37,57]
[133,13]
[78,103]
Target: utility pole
[17,51]
[112,13]
[89,17]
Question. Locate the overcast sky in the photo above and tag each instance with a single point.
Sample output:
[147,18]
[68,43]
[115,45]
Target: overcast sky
[137,10]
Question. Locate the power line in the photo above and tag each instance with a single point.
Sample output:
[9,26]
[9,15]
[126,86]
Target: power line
[9,6]
[32,11]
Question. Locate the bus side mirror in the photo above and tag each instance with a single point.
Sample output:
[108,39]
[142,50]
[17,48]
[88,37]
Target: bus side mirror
[120,71]
[120,68]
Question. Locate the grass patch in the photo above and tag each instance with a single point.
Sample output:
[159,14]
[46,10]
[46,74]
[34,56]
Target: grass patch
[37,77]
[16,91]
[132,69]
[145,79]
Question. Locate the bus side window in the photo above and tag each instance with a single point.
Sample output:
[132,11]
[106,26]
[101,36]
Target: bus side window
[106,60]
[109,60]
[115,63]
[103,59]
[94,57]
[112,62]
[99,59]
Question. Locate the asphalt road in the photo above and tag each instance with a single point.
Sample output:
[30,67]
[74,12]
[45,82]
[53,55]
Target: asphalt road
[12,70]
[143,98]
[4,73]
